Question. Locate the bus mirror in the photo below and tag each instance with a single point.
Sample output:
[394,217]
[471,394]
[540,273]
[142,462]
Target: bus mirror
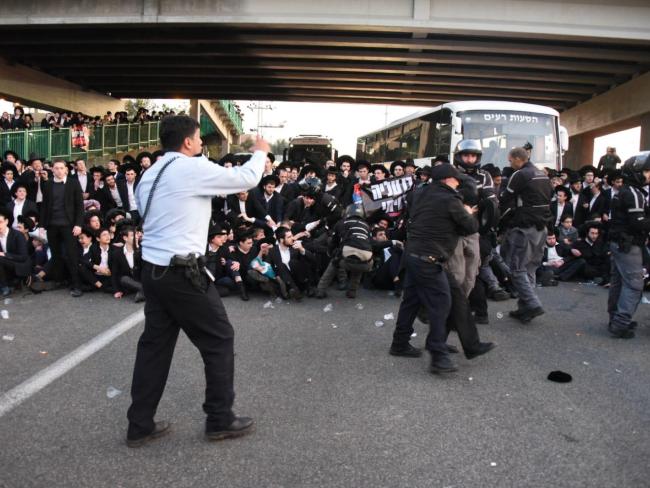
[564,139]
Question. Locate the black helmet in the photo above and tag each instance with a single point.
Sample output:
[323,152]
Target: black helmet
[633,168]
[355,210]
[310,187]
[468,146]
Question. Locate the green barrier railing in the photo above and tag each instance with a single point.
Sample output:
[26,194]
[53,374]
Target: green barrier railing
[105,140]
[230,109]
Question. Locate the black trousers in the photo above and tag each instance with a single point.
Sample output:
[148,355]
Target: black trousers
[63,246]
[460,317]
[173,304]
[7,271]
[425,284]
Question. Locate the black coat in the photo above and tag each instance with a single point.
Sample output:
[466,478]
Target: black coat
[28,207]
[124,193]
[119,266]
[274,207]
[5,192]
[567,211]
[253,209]
[72,201]
[89,182]
[17,253]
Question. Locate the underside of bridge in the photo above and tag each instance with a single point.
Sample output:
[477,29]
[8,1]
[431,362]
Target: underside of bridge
[347,64]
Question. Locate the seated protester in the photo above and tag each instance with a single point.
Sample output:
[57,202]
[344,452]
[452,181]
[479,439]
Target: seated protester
[97,183]
[125,263]
[262,271]
[333,186]
[25,226]
[89,258]
[288,190]
[597,206]
[242,206]
[270,200]
[110,196]
[93,221]
[219,262]
[293,264]
[387,256]
[558,264]
[594,251]
[20,206]
[352,251]
[244,253]
[113,216]
[7,183]
[561,207]
[14,258]
[567,233]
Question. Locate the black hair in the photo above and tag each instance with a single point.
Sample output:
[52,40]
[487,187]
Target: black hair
[87,232]
[244,236]
[174,130]
[280,232]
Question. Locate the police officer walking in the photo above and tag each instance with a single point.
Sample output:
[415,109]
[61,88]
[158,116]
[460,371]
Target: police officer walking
[437,218]
[629,227]
[174,198]
[526,214]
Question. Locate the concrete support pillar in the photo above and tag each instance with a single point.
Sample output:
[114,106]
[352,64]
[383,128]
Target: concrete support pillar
[581,151]
[195,109]
[644,144]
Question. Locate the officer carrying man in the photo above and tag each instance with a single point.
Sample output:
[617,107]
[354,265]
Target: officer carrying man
[525,215]
[437,218]
[629,227]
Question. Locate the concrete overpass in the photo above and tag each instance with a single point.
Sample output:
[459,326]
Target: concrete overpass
[414,52]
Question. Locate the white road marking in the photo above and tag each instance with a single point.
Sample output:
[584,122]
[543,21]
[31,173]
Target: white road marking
[17,395]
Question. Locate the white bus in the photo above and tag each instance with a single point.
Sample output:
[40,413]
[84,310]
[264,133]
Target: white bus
[308,147]
[498,126]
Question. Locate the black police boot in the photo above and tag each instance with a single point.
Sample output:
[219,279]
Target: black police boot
[239,427]
[407,351]
[442,364]
[530,314]
[498,295]
[483,348]
[619,333]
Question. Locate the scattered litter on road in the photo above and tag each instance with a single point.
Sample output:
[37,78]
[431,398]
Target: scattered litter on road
[414,334]
[645,300]
[578,334]
[470,378]
[493,464]
[8,337]
[499,315]
[389,316]
[328,308]
[308,380]
[278,300]
[43,353]
[8,301]
[359,306]
[586,363]
[334,326]
[391,293]
[379,323]
[4,314]
[269,304]
[618,370]
[112,392]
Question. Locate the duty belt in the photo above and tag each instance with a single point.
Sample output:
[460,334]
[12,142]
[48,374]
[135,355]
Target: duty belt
[426,259]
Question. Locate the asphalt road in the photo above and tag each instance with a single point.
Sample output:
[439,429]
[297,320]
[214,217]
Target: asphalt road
[333,409]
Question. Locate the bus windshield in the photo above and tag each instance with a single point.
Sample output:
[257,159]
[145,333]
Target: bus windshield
[498,131]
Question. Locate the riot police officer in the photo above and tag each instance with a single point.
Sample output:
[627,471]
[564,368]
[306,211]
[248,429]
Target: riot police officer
[526,214]
[629,227]
[437,218]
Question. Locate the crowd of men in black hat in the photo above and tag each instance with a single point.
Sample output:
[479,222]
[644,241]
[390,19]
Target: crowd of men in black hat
[283,238]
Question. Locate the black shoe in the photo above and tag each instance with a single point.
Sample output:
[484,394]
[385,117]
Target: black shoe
[40,286]
[139,297]
[452,349]
[351,293]
[515,314]
[483,347]
[268,287]
[620,333]
[243,293]
[159,430]
[294,294]
[481,319]
[321,294]
[6,291]
[311,291]
[239,427]
[442,364]
[342,285]
[498,295]
[530,314]
[76,292]
[633,324]
[407,351]
[283,288]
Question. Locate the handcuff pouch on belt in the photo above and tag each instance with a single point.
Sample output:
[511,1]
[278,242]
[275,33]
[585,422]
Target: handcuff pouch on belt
[194,270]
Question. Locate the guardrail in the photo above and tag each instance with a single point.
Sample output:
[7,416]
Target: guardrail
[102,141]
[231,111]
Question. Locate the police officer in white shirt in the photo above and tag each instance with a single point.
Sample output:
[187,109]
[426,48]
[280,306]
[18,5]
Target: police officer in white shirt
[174,198]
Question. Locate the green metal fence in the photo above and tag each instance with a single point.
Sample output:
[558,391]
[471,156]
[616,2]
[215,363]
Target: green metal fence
[231,110]
[102,141]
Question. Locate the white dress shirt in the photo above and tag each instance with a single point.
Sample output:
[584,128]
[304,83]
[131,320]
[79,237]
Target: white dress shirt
[116,196]
[129,257]
[179,215]
[18,210]
[3,240]
[131,193]
[83,180]
[285,254]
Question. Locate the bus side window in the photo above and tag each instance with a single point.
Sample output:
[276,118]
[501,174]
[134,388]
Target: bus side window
[444,129]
